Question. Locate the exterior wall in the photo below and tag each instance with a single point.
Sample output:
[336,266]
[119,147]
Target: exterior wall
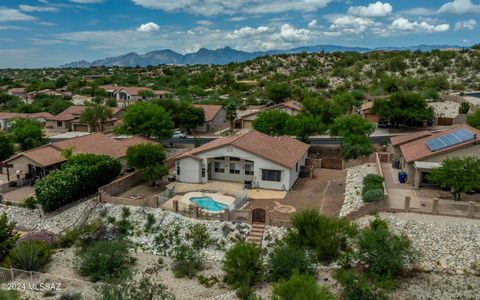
[190,170]
[287,178]
[226,174]
[247,124]
[473,150]
[54,125]
[372,118]
[296,170]
[215,124]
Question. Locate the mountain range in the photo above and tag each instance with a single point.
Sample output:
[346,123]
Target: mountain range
[225,55]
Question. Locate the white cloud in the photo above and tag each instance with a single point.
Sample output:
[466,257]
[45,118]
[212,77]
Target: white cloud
[312,24]
[29,8]
[402,24]
[466,25]
[460,7]
[11,14]
[204,23]
[377,9]
[290,34]
[418,11]
[352,25]
[247,32]
[148,27]
[217,7]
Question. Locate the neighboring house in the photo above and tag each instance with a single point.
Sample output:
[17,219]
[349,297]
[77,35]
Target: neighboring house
[18,92]
[245,121]
[69,120]
[42,160]
[422,151]
[128,95]
[264,161]
[366,112]
[214,118]
[7,118]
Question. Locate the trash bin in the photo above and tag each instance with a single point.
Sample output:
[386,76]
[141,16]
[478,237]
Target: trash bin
[402,177]
[396,164]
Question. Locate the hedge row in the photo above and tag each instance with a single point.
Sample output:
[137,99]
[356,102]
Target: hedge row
[372,188]
[80,176]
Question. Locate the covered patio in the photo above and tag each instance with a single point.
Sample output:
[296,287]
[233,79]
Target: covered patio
[422,169]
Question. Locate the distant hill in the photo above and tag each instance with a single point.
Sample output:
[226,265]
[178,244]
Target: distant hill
[225,55]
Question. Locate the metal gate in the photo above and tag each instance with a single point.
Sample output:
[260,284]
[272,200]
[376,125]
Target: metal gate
[445,121]
[258,215]
[332,163]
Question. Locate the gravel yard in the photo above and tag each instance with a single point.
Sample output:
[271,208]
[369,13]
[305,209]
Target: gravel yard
[353,187]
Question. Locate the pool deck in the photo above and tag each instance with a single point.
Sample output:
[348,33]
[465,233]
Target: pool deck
[184,200]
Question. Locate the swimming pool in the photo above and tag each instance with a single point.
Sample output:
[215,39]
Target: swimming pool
[207,202]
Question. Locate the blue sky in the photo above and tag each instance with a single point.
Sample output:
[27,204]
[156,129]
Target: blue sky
[38,33]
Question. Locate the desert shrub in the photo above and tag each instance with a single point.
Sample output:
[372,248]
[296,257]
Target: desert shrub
[464,108]
[373,195]
[141,289]
[69,296]
[8,235]
[29,255]
[286,259]
[207,281]
[150,222]
[168,239]
[86,235]
[125,212]
[187,262]
[327,237]
[30,203]
[105,261]
[199,237]
[373,179]
[300,287]
[9,295]
[375,246]
[357,287]
[82,175]
[243,263]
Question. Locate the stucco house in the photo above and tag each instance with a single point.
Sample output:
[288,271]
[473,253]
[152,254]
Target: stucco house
[215,118]
[6,118]
[245,121]
[264,161]
[420,152]
[128,95]
[366,112]
[18,92]
[42,160]
[69,120]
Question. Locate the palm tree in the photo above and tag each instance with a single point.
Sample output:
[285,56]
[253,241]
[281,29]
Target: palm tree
[231,112]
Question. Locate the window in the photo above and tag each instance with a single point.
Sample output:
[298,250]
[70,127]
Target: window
[234,159]
[220,158]
[203,170]
[178,168]
[60,124]
[234,168]
[271,175]
[219,167]
[249,169]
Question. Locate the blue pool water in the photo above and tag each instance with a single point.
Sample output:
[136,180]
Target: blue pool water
[208,203]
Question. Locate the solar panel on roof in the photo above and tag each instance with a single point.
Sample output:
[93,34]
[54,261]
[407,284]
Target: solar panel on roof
[454,138]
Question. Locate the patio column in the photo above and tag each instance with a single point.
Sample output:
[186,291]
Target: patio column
[406,206]
[471,209]
[435,206]
[418,178]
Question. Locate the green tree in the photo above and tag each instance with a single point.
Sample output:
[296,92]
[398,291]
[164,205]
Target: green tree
[474,119]
[28,133]
[459,175]
[345,102]
[375,246]
[354,131]
[322,108]
[301,287]
[272,122]
[404,108]
[303,126]
[8,235]
[231,112]
[149,159]
[146,94]
[96,115]
[355,146]
[278,92]
[146,119]
[6,146]
[243,264]
[189,116]
[326,236]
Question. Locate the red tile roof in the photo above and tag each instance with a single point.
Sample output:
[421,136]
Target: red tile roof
[409,137]
[210,110]
[418,150]
[11,116]
[95,143]
[284,150]
[74,112]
